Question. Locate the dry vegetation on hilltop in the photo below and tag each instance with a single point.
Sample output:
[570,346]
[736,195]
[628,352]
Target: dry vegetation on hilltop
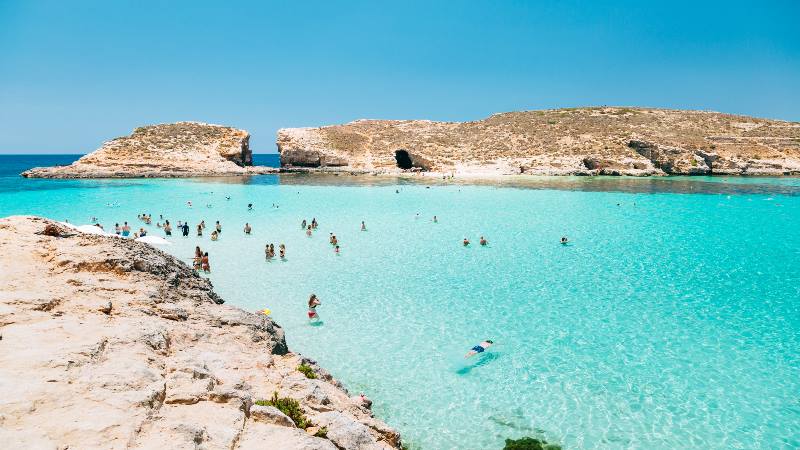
[610,140]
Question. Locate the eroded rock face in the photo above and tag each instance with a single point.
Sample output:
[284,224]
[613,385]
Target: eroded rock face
[110,343]
[169,150]
[579,141]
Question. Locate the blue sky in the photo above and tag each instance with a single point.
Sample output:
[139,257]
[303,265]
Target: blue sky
[76,73]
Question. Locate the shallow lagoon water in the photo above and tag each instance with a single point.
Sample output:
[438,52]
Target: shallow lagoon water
[671,320]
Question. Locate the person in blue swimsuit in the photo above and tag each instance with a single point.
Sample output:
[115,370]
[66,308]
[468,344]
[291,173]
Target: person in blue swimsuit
[480,348]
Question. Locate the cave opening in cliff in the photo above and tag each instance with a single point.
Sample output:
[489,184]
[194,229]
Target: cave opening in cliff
[403,159]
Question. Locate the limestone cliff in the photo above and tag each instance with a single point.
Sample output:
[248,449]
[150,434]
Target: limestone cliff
[107,343]
[579,141]
[179,149]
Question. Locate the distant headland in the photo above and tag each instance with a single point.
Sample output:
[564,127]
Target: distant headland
[573,141]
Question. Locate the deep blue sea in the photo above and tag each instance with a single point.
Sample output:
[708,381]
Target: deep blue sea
[671,320]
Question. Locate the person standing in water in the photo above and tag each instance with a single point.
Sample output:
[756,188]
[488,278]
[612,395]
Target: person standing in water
[126,229]
[483,241]
[219,227]
[205,264]
[199,230]
[185,229]
[313,302]
[363,226]
[167,228]
[466,242]
[247,228]
[303,224]
[314,223]
[283,251]
[308,231]
[117,229]
[435,220]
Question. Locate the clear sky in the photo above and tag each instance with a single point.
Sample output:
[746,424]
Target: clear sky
[76,73]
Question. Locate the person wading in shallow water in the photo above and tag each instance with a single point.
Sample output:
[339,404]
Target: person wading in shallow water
[313,302]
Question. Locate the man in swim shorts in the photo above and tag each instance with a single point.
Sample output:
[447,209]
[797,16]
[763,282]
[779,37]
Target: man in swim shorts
[480,348]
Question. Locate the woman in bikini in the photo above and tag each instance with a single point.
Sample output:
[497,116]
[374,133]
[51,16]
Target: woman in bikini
[313,302]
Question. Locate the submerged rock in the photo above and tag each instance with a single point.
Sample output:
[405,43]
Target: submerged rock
[575,141]
[110,343]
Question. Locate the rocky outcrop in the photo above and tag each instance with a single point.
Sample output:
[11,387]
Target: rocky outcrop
[109,343]
[183,149]
[578,141]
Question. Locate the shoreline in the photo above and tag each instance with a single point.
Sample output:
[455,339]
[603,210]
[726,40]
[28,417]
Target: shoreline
[486,175]
[122,345]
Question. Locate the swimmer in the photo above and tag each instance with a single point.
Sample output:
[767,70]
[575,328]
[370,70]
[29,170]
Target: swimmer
[249,206]
[313,302]
[189,204]
[466,242]
[247,228]
[564,240]
[483,241]
[480,348]
[363,226]
[142,233]
[227,197]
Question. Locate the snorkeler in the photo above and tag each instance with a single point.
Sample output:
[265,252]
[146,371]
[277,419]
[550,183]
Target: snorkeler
[480,348]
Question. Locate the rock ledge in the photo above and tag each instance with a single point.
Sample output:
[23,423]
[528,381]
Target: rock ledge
[109,343]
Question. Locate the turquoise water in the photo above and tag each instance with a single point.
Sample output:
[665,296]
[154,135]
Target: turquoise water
[671,321]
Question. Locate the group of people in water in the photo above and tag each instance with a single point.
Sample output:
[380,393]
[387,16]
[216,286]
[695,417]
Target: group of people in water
[269,251]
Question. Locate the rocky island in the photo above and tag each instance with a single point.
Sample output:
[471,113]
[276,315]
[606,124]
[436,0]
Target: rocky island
[182,149]
[110,343]
[574,141]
